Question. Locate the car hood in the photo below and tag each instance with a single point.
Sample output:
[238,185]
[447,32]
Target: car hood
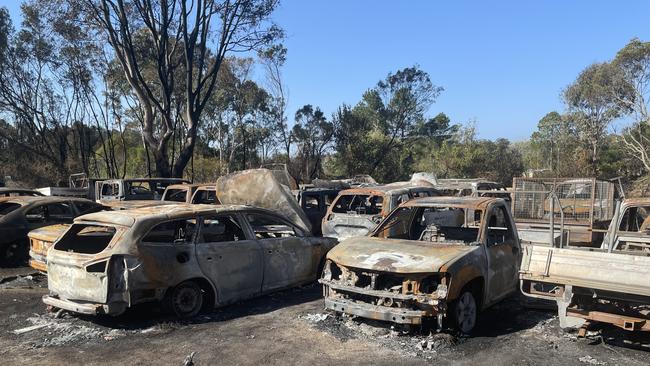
[260,188]
[396,255]
[48,233]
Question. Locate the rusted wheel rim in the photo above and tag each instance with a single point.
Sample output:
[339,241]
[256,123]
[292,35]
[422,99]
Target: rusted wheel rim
[187,300]
[466,312]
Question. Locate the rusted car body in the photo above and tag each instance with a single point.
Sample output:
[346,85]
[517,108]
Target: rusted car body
[205,194]
[189,256]
[477,187]
[40,241]
[181,193]
[608,284]
[133,189]
[315,202]
[432,257]
[357,211]
[191,193]
[20,215]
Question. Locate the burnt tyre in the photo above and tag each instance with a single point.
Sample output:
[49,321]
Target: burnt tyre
[464,312]
[12,254]
[185,300]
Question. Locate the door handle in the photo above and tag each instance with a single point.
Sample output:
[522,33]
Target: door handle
[515,250]
[209,258]
[270,251]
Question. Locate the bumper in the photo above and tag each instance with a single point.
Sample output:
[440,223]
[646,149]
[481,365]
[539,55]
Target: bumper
[395,315]
[84,307]
[37,261]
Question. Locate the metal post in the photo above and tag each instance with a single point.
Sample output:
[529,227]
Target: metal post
[614,228]
[552,221]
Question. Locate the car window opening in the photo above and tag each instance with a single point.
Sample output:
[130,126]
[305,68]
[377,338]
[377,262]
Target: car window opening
[360,204]
[86,239]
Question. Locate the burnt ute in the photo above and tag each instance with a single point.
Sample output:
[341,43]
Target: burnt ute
[435,257]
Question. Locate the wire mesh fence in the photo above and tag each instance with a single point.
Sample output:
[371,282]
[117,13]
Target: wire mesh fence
[582,200]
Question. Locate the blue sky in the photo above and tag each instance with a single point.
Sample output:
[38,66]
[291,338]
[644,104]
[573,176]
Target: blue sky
[502,64]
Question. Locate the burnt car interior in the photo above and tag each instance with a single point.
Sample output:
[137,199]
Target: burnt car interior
[499,230]
[636,219]
[86,239]
[267,227]
[205,196]
[360,204]
[634,226]
[139,189]
[176,231]
[432,224]
[56,212]
[176,195]
[221,228]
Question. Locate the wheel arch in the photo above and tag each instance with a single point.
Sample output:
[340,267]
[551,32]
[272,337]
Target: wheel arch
[209,290]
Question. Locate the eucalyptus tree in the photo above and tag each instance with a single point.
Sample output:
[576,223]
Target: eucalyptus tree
[188,42]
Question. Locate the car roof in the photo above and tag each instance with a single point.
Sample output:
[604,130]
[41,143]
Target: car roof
[24,200]
[148,180]
[183,185]
[460,202]
[319,190]
[162,213]
[384,189]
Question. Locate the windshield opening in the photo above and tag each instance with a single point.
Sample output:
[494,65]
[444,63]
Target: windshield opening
[8,207]
[432,224]
[175,195]
[86,239]
[361,204]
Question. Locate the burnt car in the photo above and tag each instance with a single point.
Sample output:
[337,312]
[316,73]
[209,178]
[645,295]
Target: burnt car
[432,258]
[191,193]
[190,257]
[133,188]
[357,211]
[315,202]
[20,215]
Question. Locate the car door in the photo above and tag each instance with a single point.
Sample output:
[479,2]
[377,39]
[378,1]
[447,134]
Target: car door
[167,253]
[230,259]
[503,254]
[289,258]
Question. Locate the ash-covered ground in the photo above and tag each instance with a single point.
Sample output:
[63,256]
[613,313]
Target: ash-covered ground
[290,327]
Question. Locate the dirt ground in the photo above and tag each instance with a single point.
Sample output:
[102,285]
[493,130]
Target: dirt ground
[289,327]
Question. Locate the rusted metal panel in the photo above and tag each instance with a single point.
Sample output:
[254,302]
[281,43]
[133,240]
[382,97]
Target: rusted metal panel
[260,188]
[398,256]
[40,241]
[587,268]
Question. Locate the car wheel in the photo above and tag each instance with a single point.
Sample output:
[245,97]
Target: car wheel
[464,312]
[11,254]
[185,300]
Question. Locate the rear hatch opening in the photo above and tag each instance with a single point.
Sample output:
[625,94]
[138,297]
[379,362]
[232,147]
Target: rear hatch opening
[85,239]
